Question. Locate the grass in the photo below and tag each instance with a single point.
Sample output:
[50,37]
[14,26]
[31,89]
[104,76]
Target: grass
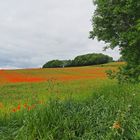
[80,109]
[12,95]
[95,117]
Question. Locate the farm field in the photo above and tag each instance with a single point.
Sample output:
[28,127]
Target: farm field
[78,103]
[59,74]
[24,87]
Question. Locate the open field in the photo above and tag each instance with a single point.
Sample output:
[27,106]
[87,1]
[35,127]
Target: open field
[28,87]
[67,104]
[59,74]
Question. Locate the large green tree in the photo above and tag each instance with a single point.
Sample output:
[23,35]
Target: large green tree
[117,23]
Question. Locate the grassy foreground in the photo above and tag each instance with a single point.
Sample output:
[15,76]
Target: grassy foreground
[111,112]
[77,104]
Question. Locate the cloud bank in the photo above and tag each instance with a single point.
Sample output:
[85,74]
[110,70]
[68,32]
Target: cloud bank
[35,31]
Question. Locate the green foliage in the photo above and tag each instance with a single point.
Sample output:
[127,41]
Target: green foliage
[125,74]
[57,64]
[91,59]
[117,22]
[53,64]
[82,60]
[111,74]
[93,118]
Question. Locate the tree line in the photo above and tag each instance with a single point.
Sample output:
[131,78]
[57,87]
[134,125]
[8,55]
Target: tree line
[81,60]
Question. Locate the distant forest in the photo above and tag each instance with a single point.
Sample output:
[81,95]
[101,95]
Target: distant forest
[81,60]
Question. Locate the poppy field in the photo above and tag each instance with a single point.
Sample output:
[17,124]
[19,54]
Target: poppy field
[24,88]
[19,88]
[67,103]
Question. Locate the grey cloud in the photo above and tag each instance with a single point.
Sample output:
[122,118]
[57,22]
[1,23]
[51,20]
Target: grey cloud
[35,31]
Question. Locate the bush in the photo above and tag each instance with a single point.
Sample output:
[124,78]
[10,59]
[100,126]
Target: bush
[82,60]
[126,74]
[91,59]
[53,64]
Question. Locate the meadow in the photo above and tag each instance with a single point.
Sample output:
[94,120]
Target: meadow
[78,103]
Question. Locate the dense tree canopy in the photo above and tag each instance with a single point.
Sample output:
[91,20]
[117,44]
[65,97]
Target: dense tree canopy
[53,64]
[91,59]
[82,60]
[117,22]
[57,64]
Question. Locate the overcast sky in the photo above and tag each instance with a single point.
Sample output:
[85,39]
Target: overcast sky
[35,31]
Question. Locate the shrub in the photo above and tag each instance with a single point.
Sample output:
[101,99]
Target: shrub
[53,64]
[82,60]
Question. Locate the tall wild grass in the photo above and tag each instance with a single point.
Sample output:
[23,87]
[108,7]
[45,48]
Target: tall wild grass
[111,113]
